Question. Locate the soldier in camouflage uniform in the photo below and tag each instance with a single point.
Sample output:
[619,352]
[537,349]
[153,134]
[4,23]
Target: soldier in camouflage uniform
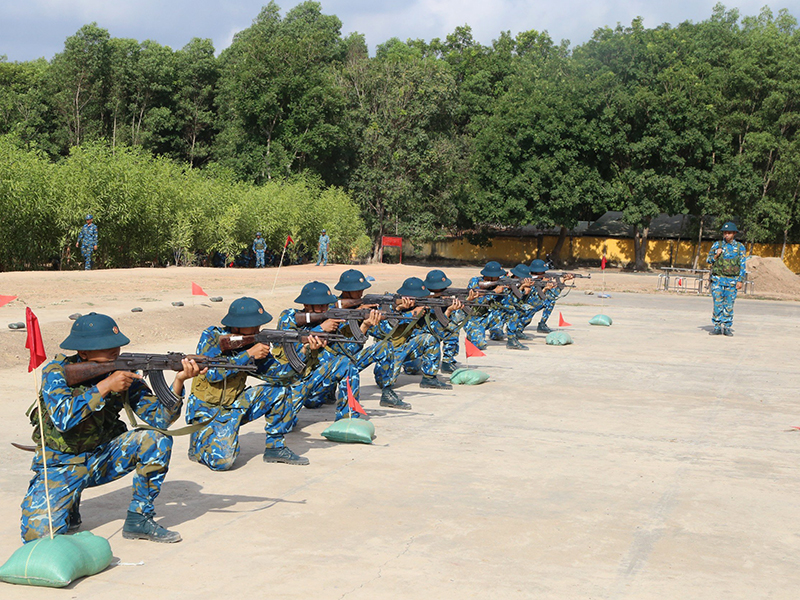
[499,312]
[727,259]
[223,397]
[411,342]
[322,248]
[325,371]
[259,247]
[86,443]
[87,240]
[533,302]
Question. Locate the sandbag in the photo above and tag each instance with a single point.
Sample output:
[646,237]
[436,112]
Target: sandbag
[468,377]
[558,338]
[57,562]
[603,320]
[351,431]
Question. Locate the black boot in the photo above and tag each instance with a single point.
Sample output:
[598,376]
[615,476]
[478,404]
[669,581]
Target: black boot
[716,331]
[390,399]
[726,331]
[431,382]
[543,328]
[284,455]
[143,527]
[513,344]
[74,518]
[448,367]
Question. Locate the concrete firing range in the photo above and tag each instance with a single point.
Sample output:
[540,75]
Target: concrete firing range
[647,460]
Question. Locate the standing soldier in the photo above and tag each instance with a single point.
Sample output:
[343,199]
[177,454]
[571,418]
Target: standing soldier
[727,260]
[87,240]
[259,247]
[322,250]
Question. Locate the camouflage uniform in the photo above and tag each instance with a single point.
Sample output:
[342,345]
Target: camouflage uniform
[88,445]
[259,247]
[410,344]
[322,250]
[445,337]
[221,395]
[87,238]
[492,318]
[325,372]
[726,271]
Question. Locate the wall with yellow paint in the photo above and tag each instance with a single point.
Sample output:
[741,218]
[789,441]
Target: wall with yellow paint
[619,251]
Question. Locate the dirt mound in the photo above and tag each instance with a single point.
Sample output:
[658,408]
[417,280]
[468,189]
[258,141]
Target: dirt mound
[772,276]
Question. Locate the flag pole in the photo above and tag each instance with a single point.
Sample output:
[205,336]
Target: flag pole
[39,406]
[286,243]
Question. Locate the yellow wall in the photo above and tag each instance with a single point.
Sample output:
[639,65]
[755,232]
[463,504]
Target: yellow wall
[619,251]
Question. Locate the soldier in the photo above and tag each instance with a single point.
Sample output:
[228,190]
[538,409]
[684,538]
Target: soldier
[324,371]
[497,312]
[87,240]
[411,342]
[88,445]
[534,303]
[223,397]
[727,259]
[322,249]
[515,309]
[259,247]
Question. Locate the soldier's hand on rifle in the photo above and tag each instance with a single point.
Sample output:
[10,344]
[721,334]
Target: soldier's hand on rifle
[419,310]
[258,351]
[118,381]
[569,276]
[405,304]
[455,305]
[190,369]
[315,343]
[719,251]
[472,295]
[331,325]
[500,289]
[549,285]
[374,318]
[738,285]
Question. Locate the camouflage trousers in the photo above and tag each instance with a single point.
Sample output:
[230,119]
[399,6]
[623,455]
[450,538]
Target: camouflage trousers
[87,251]
[322,256]
[379,352]
[494,322]
[526,316]
[331,376]
[146,452]
[723,292]
[450,348]
[422,347]
[259,258]
[217,444]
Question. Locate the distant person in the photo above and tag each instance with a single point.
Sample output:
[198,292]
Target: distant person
[322,250]
[87,240]
[727,260]
[259,247]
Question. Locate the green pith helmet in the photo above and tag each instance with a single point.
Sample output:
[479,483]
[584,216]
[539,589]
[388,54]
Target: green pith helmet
[493,269]
[414,287]
[538,266]
[521,271]
[436,281]
[352,280]
[729,226]
[315,292]
[246,312]
[94,332]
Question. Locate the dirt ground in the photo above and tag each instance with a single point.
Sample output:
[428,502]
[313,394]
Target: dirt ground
[646,460]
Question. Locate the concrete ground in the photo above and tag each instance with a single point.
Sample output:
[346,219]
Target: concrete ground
[647,460]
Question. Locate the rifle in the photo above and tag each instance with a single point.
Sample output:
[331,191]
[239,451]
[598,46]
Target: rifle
[287,338]
[353,316]
[559,278]
[387,302]
[153,366]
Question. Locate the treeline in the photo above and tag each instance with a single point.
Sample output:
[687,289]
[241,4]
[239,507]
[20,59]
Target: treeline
[153,211]
[449,136]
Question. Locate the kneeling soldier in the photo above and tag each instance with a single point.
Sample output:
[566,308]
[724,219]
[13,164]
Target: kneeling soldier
[86,443]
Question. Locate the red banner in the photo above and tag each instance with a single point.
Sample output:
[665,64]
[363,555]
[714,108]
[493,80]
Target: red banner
[392,241]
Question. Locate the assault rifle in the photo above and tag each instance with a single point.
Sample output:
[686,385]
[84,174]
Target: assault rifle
[388,302]
[153,366]
[287,338]
[353,316]
[558,278]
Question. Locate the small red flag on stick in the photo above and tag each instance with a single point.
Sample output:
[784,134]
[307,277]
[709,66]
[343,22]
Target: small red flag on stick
[34,342]
[288,241]
[197,290]
[603,263]
[6,299]
[562,322]
[352,403]
[472,349]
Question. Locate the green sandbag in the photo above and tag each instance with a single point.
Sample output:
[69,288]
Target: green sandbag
[603,320]
[468,377]
[351,430]
[558,338]
[57,562]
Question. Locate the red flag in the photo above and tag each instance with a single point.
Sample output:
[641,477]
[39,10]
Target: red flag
[34,342]
[603,263]
[6,299]
[562,322]
[352,403]
[289,240]
[197,290]
[472,349]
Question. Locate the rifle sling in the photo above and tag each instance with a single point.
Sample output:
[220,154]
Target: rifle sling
[189,429]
